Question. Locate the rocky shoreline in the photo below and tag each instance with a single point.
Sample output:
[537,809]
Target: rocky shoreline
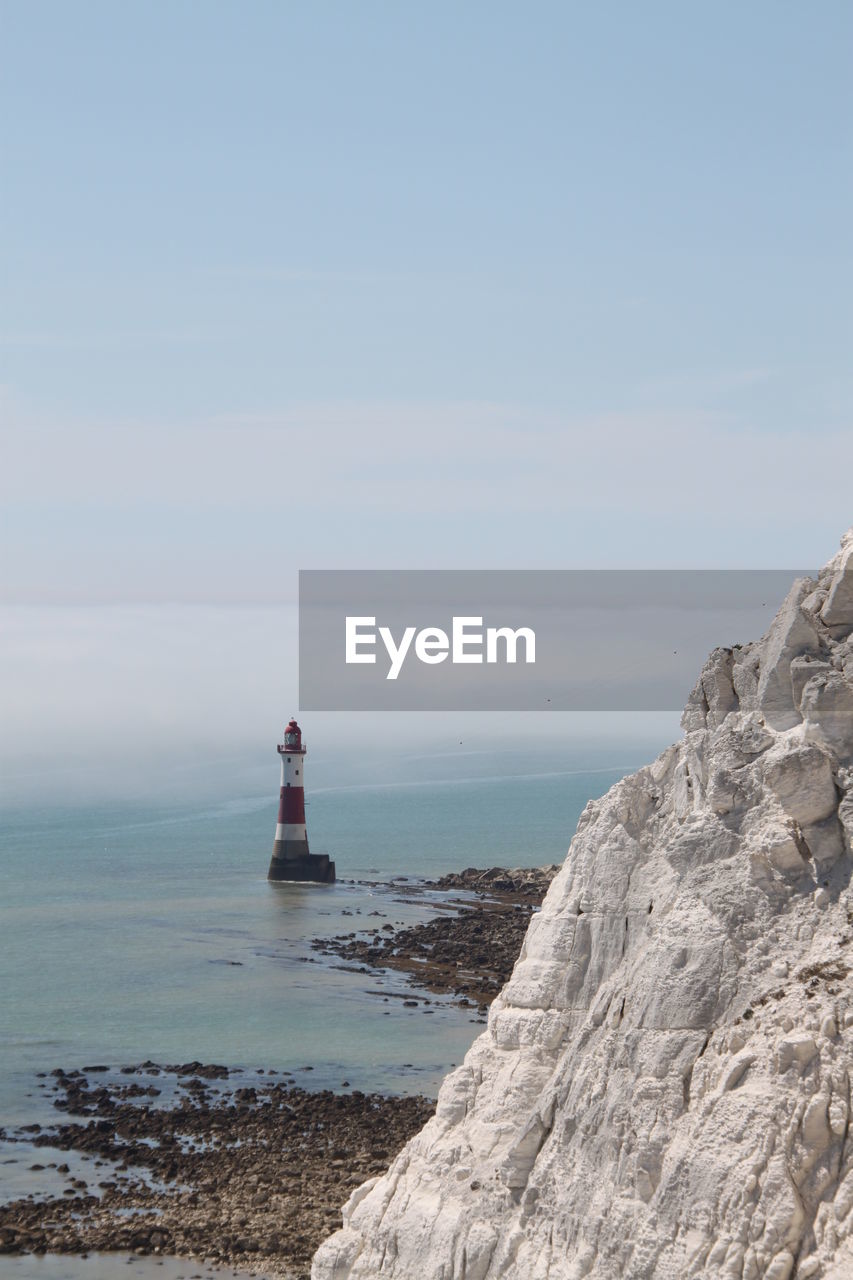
[469,954]
[236,1168]
[206,1162]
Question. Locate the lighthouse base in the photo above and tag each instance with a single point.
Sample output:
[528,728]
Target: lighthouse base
[292,861]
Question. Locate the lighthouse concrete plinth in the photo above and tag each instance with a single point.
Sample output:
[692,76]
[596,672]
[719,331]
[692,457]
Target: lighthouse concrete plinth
[314,867]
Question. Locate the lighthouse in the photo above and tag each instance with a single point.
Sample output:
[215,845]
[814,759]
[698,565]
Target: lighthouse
[290,857]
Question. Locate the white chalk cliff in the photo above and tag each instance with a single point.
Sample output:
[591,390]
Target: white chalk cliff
[663,1089]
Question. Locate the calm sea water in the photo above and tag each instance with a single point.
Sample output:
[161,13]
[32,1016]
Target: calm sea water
[149,930]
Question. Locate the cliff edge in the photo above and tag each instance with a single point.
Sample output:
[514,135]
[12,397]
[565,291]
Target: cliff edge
[663,1089]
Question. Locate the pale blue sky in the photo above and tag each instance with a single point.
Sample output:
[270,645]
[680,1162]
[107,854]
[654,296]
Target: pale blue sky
[238,237]
[378,284]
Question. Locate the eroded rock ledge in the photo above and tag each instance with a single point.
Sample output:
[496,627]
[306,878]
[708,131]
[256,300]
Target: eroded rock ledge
[663,1089]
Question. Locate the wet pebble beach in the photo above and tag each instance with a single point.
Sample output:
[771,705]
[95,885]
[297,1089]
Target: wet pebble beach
[220,1165]
[231,1170]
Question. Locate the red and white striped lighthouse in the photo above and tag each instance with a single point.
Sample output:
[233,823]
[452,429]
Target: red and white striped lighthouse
[291,859]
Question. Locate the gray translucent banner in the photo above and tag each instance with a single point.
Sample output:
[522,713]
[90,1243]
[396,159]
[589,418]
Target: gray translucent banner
[586,640]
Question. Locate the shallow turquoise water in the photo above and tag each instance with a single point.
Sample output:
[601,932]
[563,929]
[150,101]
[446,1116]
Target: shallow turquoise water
[134,931]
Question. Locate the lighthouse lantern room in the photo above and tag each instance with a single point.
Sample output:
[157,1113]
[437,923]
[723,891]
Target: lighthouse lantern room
[291,859]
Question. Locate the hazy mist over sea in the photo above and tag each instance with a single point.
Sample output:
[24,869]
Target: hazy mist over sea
[126,701]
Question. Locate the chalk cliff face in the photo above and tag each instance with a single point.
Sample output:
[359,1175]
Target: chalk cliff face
[664,1086]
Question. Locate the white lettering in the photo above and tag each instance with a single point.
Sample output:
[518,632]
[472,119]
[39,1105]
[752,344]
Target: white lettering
[461,638]
[353,639]
[431,645]
[397,655]
[511,637]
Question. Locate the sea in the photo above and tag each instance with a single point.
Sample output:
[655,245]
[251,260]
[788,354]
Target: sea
[145,928]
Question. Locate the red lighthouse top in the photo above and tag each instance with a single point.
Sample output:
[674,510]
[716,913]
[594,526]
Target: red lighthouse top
[292,744]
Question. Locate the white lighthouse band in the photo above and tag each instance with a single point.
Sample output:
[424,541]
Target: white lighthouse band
[292,831]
